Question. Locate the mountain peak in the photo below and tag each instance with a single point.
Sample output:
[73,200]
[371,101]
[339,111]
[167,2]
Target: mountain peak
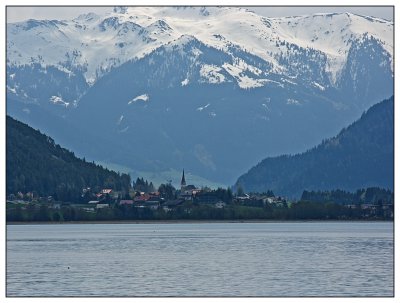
[120,9]
[94,36]
[87,17]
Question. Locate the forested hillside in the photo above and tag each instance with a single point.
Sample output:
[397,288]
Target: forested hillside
[35,163]
[360,156]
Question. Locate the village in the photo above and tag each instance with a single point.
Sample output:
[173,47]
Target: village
[143,202]
[186,195]
[166,198]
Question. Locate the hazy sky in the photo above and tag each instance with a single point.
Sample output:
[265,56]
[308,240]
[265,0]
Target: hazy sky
[22,13]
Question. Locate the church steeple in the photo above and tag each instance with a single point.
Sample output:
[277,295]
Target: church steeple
[183,181]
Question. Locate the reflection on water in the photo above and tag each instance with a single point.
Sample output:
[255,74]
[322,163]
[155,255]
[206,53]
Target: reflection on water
[206,259]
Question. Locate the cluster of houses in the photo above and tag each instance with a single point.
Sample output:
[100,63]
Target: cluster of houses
[154,200]
[106,197]
[261,200]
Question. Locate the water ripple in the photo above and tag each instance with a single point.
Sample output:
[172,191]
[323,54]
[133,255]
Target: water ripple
[226,259]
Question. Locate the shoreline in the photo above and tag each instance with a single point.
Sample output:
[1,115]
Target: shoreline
[187,221]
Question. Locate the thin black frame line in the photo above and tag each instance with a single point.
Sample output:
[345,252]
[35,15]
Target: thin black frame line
[323,6]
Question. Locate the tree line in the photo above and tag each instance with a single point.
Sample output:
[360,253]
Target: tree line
[370,195]
[301,210]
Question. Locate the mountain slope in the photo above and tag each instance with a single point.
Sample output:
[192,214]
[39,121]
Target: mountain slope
[215,130]
[136,31]
[84,49]
[361,155]
[210,89]
[35,163]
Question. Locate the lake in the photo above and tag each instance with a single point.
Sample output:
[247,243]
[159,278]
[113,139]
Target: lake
[201,259]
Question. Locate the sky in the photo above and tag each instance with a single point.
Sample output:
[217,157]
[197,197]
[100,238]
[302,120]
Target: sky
[15,14]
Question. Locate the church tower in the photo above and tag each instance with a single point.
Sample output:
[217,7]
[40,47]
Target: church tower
[183,181]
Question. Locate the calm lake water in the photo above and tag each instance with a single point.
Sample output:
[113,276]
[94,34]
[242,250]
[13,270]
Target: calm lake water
[205,259]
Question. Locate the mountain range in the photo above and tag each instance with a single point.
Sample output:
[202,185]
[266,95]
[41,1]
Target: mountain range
[209,89]
[361,155]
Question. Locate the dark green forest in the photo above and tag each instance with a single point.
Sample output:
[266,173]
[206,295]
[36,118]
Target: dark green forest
[35,163]
[301,210]
[361,155]
[371,195]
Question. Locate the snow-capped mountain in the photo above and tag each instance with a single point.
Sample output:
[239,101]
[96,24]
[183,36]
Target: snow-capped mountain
[92,44]
[226,67]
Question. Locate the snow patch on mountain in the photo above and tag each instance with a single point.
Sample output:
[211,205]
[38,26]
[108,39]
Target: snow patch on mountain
[211,74]
[201,108]
[319,86]
[284,80]
[120,119]
[242,71]
[291,101]
[124,130]
[12,89]
[143,98]
[58,100]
